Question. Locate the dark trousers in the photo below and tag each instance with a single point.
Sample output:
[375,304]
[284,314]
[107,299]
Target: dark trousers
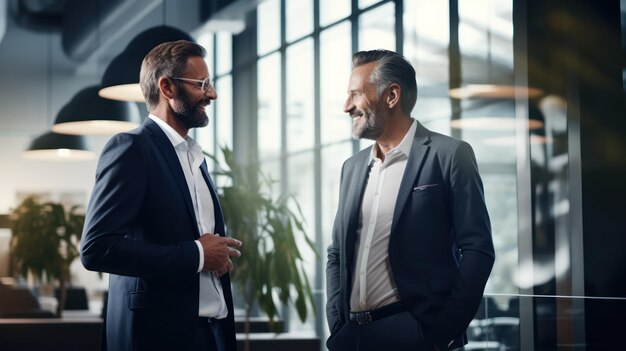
[398,332]
[206,335]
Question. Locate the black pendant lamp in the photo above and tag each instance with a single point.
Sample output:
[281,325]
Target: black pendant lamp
[121,78]
[55,147]
[89,114]
[52,146]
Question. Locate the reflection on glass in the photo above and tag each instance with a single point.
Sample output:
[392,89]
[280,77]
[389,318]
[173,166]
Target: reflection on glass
[335,66]
[482,122]
[376,28]
[299,16]
[224,114]
[300,96]
[365,3]
[426,37]
[224,53]
[268,26]
[269,126]
[501,199]
[486,41]
[496,325]
[333,10]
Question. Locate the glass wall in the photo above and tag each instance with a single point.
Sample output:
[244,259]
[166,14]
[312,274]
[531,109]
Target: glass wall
[304,136]
[473,84]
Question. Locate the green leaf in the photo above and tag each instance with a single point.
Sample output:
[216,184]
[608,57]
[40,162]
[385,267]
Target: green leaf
[269,272]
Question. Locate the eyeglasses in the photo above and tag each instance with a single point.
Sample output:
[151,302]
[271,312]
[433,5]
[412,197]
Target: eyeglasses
[205,85]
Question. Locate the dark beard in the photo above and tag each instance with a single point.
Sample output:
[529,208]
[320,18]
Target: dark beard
[188,112]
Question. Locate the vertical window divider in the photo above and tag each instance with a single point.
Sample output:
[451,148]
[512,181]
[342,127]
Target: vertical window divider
[454,64]
[283,99]
[317,150]
[216,146]
[284,174]
[399,8]
[354,22]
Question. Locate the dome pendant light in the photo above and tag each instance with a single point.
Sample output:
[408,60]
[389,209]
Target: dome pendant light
[55,147]
[121,78]
[52,146]
[89,114]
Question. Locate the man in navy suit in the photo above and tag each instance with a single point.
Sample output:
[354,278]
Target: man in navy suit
[411,249]
[154,220]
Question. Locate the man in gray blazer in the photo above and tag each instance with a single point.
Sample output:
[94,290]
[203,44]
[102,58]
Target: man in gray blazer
[411,249]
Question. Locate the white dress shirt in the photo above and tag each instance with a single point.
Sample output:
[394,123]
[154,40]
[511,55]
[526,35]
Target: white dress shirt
[373,285]
[212,302]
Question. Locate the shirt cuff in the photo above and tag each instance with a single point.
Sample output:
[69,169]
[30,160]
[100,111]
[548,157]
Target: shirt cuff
[201,255]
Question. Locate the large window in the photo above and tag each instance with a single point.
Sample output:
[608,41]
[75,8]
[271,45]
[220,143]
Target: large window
[219,132]
[304,136]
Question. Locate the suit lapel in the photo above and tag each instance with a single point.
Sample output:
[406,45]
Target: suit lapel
[357,182]
[168,152]
[419,151]
[217,208]
[219,228]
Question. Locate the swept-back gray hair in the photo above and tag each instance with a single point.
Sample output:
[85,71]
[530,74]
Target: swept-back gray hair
[392,68]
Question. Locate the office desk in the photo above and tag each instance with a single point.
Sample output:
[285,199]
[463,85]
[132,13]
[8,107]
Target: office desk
[51,334]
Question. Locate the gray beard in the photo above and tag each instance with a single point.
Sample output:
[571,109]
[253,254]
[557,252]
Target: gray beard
[372,128]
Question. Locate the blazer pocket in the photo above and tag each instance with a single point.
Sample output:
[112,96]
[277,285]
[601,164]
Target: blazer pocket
[425,189]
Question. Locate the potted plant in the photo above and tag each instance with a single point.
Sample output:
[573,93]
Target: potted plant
[45,241]
[270,270]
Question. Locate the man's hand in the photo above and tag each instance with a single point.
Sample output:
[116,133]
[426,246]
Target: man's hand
[217,253]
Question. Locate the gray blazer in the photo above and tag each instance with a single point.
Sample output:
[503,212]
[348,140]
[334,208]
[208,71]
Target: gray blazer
[440,248]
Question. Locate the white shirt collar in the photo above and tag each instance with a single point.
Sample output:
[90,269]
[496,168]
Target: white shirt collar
[179,142]
[175,138]
[403,148]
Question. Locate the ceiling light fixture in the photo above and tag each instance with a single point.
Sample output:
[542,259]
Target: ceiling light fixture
[496,115]
[52,146]
[494,91]
[121,78]
[89,114]
[55,147]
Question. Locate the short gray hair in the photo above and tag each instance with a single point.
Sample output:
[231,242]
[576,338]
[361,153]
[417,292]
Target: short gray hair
[392,68]
[168,59]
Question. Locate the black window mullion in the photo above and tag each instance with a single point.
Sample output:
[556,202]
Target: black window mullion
[399,26]
[319,269]
[354,19]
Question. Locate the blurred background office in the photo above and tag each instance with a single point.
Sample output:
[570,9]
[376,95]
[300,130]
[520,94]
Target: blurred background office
[536,87]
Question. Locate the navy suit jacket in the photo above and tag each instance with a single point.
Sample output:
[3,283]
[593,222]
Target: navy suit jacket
[440,248]
[141,227]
